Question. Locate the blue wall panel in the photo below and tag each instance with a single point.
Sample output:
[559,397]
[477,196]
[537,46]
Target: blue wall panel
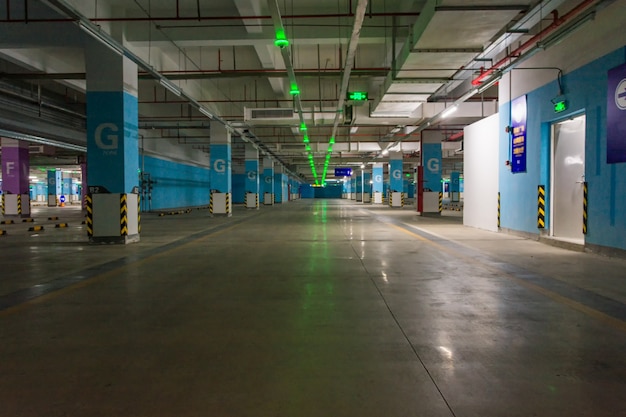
[239,187]
[586,92]
[306,191]
[177,185]
[330,191]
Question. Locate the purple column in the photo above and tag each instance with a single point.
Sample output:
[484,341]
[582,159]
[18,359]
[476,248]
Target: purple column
[15,166]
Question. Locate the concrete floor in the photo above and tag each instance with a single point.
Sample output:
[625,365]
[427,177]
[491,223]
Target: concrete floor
[312,308]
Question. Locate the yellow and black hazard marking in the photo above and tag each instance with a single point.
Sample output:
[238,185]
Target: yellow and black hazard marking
[257,200]
[7,222]
[541,207]
[402,199]
[227,202]
[585,192]
[498,209]
[123,215]
[19,204]
[89,220]
[440,201]
[3,232]
[53,218]
[138,214]
[61,225]
[29,220]
[211,204]
[3,204]
[35,228]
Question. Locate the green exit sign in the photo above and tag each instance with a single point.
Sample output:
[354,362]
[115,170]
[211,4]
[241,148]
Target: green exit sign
[357,95]
[560,106]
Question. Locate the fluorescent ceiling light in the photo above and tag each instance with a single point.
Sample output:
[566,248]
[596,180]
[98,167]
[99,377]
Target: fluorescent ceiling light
[485,86]
[205,112]
[447,112]
[353,129]
[385,152]
[168,84]
[395,129]
[97,33]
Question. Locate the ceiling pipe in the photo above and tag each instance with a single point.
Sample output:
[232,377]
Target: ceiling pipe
[556,22]
[354,41]
[106,39]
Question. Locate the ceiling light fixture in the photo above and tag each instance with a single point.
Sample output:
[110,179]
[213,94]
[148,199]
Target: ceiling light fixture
[447,112]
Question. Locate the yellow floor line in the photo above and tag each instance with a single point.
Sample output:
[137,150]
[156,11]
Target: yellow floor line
[605,318]
[104,275]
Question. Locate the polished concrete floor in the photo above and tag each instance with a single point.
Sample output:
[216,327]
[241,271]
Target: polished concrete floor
[312,308]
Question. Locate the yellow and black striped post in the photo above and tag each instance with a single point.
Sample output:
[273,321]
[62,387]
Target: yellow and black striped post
[498,209]
[440,201]
[227,203]
[89,221]
[3,204]
[257,200]
[211,204]
[585,191]
[123,215]
[541,207]
[19,204]
[402,199]
[138,213]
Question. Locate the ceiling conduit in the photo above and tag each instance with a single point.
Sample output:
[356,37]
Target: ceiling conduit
[556,22]
[354,41]
[106,39]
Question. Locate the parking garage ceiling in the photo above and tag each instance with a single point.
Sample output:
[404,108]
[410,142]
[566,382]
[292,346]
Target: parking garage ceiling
[412,59]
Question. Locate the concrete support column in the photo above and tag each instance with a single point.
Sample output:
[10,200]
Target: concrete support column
[359,186]
[396,182]
[354,191]
[251,187]
[280,186]
[15,181]
[367,186]
[55,187]
[431,161]
[221,170]
[268,181]
[112,146]
[377,183]
[84,188]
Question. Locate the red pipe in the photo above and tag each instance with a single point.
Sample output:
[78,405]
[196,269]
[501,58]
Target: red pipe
[268,71]
[210,18]
[556,22]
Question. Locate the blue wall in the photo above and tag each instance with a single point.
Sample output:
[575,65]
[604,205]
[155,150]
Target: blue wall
[306,191]
[330,191]
[586,92]
[239,187]
[177,185]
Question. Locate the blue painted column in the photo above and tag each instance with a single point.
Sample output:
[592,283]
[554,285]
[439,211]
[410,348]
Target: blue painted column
[377,183]
[15,181]
[221,170]
[367,187]
[455,186]
[396,182]
[431,161]
[252,177]
[112,146]
[55,187]
[359,186]
[353,193]
[268,181]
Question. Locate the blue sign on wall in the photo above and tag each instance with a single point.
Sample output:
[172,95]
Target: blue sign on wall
[616,116]
[343,172]
[518,136]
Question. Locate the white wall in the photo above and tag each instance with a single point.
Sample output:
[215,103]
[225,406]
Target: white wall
[480,171]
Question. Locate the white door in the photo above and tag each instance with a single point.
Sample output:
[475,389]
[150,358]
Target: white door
[568,176]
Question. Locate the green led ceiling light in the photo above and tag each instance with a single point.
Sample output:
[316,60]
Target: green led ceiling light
[306,139]
[294,90]
[281,40]
[332,140]
[303,128]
